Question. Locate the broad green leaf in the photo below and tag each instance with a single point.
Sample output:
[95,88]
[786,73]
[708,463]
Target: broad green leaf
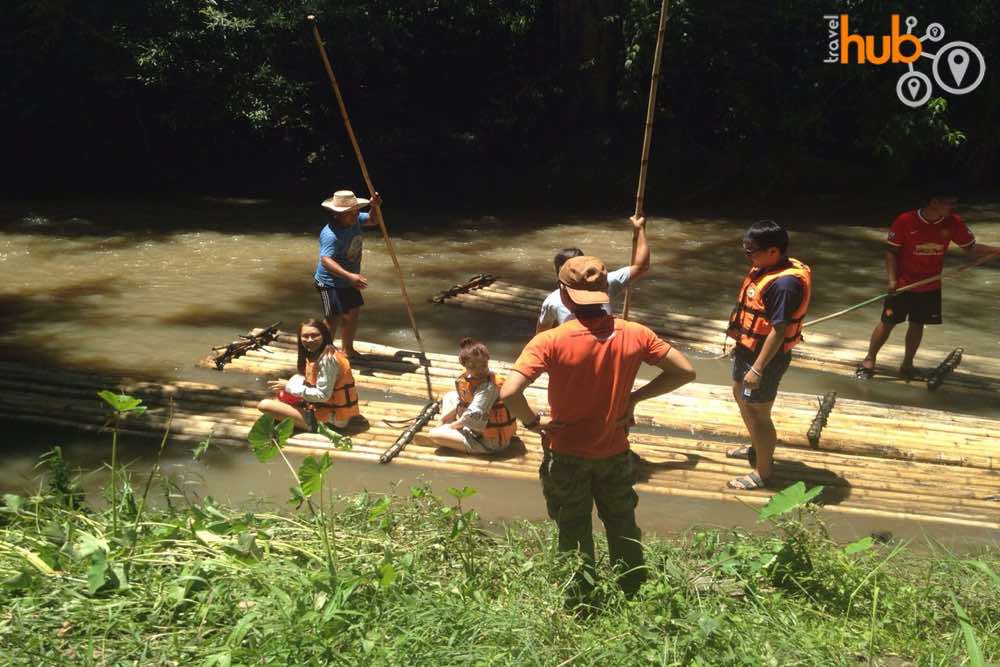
[863,544]
[262,440]
[389,575]
[246,544]
[241,628]
[284,431]
[14,503]
[120,578]
[87,544]
[793,497]
[339,440]
[971,643]
[464,492]
[122,402]
[223,659]
[379,508]
[311,473]
[97,575]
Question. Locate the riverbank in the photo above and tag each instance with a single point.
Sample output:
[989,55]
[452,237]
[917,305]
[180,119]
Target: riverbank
[412,578]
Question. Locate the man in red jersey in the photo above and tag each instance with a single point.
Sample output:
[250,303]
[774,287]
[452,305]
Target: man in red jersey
[918,241]
[592,362]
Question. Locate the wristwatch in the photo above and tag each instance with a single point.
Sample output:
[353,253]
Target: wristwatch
[533,423]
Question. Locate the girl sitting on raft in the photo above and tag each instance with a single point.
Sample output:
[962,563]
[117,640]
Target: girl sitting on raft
[323,391]
[473,419]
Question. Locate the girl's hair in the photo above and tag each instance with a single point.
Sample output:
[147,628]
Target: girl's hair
[327,340]
[469,349]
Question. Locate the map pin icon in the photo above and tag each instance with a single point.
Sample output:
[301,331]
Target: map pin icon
[958,63]
[914,86]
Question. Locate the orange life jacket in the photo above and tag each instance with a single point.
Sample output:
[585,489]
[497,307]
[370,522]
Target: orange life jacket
[749,325]
[500,425]
[343,401]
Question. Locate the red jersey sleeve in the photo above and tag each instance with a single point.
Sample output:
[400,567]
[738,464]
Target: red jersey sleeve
[655,348]
[960,234]
[534,357]
[897,230]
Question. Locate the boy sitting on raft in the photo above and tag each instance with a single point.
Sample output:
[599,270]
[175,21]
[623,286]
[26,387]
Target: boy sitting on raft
[323,391]
[473,419]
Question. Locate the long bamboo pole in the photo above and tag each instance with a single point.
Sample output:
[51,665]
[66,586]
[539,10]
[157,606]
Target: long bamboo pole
[647,140]
[376,210]
[905,288]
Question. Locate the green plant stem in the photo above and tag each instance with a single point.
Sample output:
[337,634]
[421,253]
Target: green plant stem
[114,476]
[149,478]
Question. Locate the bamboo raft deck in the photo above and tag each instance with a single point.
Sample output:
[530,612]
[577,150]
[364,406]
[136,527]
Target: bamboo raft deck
[675,466]
[830,354]
[698,410]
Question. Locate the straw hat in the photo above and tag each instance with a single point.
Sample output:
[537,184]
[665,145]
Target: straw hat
[586,280]
[344,200]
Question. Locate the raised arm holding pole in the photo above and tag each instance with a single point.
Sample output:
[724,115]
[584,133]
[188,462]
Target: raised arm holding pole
[640,194]
[376,209]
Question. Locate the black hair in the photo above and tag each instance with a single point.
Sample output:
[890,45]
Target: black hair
[564,254]
[941,192]
[766,234]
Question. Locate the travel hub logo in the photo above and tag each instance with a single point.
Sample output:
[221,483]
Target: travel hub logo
[957,67]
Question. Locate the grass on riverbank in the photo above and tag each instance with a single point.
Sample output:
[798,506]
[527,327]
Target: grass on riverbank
[414,581]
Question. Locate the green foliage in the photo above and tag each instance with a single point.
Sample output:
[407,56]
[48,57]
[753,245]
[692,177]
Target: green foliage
[62,484]
[339,440]
[311,473]
[122,403]
[267,436]
[212,585]
[792,497]
[240,85]
[969,633]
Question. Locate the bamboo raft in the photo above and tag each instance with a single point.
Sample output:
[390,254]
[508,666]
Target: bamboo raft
[977,374]
[674,466]
[699,410]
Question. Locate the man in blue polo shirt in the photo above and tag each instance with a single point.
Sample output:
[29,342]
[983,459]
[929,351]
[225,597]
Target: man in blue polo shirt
[338,272]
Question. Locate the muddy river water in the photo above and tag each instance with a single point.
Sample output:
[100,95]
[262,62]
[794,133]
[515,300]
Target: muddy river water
[144,288]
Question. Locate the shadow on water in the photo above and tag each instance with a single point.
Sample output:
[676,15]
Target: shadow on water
[284,287]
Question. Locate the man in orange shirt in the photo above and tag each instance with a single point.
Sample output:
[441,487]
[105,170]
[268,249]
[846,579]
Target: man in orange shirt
[592,362]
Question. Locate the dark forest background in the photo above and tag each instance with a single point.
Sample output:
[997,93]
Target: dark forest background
[512,100]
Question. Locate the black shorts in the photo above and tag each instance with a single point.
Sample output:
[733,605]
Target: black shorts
[770,378]
[339,300]
[918,307]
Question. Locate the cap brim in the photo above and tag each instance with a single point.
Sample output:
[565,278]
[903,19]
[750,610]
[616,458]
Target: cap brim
[582,297]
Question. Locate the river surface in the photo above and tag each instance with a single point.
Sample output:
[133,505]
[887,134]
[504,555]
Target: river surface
[146,287]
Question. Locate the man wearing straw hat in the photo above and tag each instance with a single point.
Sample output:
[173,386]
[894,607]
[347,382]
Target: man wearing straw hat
[585,441]
[338,272]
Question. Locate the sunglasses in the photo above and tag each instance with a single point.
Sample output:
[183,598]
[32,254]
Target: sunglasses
[749,250]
